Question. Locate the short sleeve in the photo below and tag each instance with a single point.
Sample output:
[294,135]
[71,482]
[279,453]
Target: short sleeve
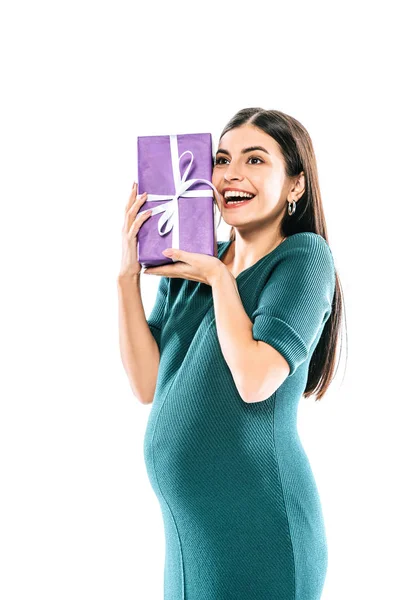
[297,298]
[156,317]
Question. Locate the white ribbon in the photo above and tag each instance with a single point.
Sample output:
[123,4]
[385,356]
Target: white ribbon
[182,185]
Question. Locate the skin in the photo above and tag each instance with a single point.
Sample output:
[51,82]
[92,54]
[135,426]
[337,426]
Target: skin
[257,224]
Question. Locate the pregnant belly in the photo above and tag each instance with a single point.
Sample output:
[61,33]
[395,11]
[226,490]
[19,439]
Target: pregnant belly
[202,453]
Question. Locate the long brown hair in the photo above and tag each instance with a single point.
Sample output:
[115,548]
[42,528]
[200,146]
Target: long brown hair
[298,153]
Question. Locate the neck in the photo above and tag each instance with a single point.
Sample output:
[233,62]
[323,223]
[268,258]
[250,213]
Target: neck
[244,253]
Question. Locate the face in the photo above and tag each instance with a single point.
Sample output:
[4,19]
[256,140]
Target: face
[259,172]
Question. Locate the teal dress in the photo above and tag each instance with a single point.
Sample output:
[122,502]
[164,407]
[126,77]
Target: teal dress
[241,511]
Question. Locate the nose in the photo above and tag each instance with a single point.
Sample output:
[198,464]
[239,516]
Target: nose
[231,172]
[232,178]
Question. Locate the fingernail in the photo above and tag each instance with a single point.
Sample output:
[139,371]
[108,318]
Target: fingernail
[134,183]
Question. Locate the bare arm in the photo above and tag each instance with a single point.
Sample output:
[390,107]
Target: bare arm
[256,367]
[139,350]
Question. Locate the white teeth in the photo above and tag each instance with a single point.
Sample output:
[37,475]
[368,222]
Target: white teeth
[233,194]
[229,194]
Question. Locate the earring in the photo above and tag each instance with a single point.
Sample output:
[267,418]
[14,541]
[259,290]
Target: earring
[291,207]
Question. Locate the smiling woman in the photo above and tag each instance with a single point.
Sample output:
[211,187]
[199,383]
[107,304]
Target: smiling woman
[240,505]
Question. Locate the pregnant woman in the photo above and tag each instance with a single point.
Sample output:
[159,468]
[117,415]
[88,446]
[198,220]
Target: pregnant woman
[231,345]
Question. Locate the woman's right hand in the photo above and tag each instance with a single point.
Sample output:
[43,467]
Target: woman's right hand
[132,224]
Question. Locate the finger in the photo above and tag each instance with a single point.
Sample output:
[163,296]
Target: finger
[178,254]
[141,199]
[137,222]
[132,196]
[133,210]
[165,271]
[176,272]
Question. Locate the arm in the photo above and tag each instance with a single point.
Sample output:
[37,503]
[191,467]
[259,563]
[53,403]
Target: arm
[139,350]
[256,367]
[293,305]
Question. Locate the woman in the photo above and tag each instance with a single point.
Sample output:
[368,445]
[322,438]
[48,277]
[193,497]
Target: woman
[231,345]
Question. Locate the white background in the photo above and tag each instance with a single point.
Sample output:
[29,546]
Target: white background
[80,81]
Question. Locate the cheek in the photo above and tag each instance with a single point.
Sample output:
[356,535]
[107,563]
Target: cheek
[216,181]
[215,178]
[270,186]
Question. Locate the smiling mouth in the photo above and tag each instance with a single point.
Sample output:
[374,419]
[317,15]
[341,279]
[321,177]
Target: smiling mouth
[236,203]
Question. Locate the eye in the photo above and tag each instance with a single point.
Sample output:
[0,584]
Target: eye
[250,158]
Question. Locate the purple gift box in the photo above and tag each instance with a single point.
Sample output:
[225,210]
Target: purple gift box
[176,171]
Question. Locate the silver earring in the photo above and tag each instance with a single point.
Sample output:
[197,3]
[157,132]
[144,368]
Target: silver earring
[291,207]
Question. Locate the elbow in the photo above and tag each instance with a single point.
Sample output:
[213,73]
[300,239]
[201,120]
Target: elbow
[142,397]
[263,375]
[252,377]
[251,393]
[250,398]
[256,388]
[146,398]
[146,401]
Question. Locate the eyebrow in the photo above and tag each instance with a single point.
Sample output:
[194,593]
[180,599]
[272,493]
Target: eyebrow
[244,151]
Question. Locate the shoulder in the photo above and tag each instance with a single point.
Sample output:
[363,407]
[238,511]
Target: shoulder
[309,239]
[303,260]
[306,260]
[306,248]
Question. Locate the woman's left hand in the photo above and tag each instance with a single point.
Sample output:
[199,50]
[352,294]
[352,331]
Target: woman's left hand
[189,265]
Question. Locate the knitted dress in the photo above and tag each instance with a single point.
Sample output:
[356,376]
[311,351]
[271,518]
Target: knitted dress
[241,510]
